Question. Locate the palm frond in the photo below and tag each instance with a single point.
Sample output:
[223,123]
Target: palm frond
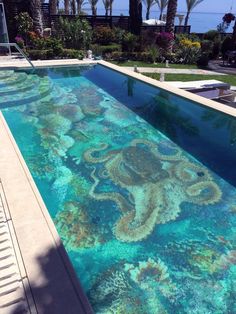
[191,4]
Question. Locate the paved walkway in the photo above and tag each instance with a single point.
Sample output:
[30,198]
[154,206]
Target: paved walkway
[174,71]
[217,65]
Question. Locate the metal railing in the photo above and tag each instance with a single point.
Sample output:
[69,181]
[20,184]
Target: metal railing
[9,45]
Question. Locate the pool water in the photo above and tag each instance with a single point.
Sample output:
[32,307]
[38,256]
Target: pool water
[140,184]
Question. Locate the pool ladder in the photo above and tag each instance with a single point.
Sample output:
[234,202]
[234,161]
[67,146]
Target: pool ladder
[9,45]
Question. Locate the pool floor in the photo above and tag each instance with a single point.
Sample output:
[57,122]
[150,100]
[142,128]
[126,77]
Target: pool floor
[148,227]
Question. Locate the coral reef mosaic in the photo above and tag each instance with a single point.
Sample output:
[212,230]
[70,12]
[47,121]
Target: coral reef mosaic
[148,227]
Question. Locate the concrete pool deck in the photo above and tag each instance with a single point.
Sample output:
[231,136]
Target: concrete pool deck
[47,280]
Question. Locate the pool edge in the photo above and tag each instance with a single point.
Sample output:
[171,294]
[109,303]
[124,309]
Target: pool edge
[22,199]
[174,90]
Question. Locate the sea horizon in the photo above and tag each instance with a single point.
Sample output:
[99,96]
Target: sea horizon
[196,20]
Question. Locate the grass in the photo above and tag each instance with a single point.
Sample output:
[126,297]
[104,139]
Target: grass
[152,65]
[230,79]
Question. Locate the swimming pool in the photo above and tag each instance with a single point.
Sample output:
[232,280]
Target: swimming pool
[140,184]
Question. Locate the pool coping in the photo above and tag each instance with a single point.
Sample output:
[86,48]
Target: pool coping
[173,90]
[45,262]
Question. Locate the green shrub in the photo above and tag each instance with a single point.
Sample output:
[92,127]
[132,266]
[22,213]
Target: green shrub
[103,35]
[72,53]
[119,34]
[100,50]
[134,56]
[48,43]
[203,60]
[45,54]
[227,44]
[75,34]
[35,54]
[211,35]
[207,46]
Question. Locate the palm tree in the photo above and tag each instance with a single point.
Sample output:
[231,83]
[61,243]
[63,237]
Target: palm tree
[170,18]
[53,6]
[93,4]
[106,6]
[80,3]
[73,7]
[67,6]
[111,6]
[36,13]
[148,4]
[135,13]
[162,4]
[191,4]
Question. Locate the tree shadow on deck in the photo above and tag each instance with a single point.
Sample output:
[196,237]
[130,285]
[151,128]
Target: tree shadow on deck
[57,290]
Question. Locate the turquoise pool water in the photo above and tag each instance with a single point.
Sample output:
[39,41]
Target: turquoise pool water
[139,183]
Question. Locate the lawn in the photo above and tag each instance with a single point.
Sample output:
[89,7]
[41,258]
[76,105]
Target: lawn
[152,65]
[231,79]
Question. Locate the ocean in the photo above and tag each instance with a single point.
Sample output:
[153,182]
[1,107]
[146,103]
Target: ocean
[200,22]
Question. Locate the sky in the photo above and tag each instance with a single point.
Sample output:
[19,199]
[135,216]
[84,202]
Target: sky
[210,6]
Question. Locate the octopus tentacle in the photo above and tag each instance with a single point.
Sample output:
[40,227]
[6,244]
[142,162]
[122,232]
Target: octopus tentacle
[90,158]
[190,172]
[156,152]
[196,193]
[122,203]
[132,227]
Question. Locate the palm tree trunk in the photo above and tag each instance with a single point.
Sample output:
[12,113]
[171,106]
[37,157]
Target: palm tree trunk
[148,12]
[135,13]
[67,6]
[79,6]
[160,17]
[186,18]
[73,7]
[53,6]
[106,12]
[170,18]
[36,13]
[94,10]
[111,4]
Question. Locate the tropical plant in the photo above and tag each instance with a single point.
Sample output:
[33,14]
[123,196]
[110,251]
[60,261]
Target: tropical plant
[36,13]
[106,4]
[148,4]
[191,4]
[93,4]
[129,42]
[162,4]
[53,6]
[135,13]
[154,53]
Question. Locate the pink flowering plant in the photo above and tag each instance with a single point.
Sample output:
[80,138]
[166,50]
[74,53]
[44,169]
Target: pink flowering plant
[164,39]
[228,18]
[20,41]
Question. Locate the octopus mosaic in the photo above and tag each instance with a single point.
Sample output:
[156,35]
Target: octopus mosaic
[158,179]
